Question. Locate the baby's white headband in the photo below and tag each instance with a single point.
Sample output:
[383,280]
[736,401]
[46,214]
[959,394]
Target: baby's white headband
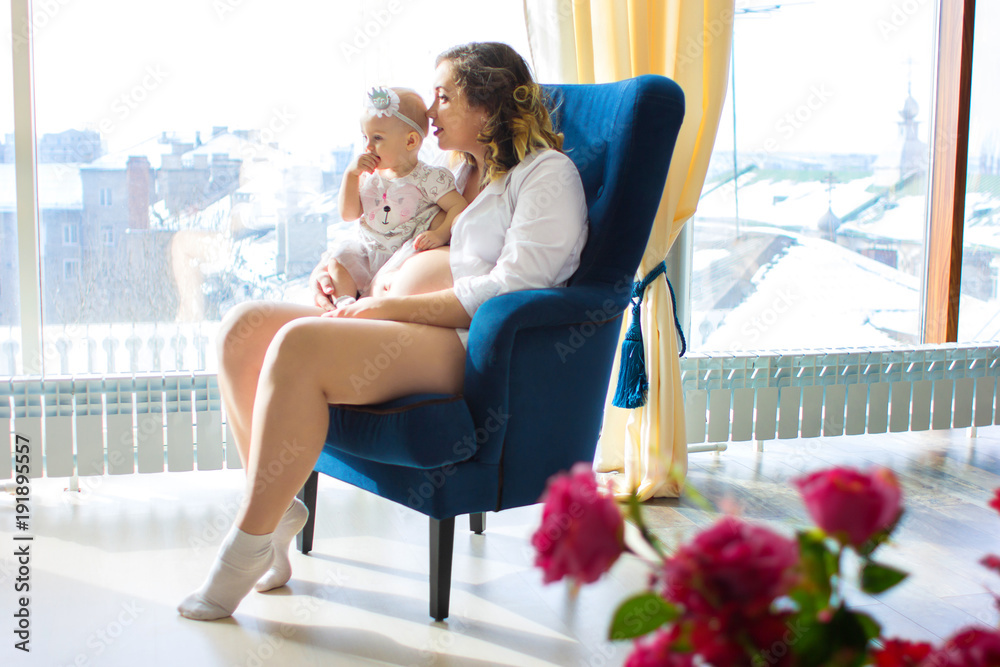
[385,102]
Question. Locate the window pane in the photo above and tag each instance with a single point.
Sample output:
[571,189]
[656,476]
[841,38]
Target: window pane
[190,156]
[10,303]
[979,314]
[810,228]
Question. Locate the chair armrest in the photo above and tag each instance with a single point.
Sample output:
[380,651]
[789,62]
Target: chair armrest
[495,327]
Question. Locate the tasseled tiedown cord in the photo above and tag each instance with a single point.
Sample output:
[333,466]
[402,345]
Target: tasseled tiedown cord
[632,382]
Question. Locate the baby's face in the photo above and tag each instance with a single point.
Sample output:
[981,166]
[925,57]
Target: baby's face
[386,138]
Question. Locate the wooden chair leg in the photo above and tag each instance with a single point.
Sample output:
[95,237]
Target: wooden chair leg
[477,522]
[307,494]
[442,542]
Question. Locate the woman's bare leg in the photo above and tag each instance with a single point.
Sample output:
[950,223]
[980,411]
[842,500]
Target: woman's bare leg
[310,363]
[314,362]
[244,336]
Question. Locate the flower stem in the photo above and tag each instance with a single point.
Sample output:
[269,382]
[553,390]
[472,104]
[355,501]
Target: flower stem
[635,512]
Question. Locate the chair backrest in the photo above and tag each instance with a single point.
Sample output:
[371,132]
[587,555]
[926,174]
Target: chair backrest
[621,137]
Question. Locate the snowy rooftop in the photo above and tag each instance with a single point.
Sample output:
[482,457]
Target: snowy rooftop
[59,187]
[774,199]
[817,294]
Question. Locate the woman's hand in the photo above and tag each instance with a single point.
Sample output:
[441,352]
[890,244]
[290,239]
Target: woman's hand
[322,285]
[368,308]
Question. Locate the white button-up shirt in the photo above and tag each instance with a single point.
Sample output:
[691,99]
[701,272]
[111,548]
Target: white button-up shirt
[525,230]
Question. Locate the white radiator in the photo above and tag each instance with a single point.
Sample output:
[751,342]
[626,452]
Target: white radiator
[806,394]
[115,424]
[173,421]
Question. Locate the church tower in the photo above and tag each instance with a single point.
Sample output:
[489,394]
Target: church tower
[914,156]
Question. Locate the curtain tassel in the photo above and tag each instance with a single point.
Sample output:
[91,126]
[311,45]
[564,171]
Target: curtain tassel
[632,382]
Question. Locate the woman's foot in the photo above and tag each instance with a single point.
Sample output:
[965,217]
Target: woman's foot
[281,570]
[241,561]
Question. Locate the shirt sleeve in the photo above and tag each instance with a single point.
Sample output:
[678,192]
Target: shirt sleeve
[547,232]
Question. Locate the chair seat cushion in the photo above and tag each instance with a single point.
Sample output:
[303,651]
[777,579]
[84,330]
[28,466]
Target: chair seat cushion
[420,431]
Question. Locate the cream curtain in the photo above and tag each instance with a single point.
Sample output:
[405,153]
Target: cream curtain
[597,41]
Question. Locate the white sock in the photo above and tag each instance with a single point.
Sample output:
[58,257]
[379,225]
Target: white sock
[344,300]
[291,523]
[241,560]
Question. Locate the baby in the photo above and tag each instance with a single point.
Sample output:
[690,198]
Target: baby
[402,205]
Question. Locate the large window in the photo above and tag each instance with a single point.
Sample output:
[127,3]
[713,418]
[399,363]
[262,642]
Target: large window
[979,314]
[810,228]
[10,302]
[190,154]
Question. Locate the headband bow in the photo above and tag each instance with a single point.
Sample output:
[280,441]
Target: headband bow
[385,102]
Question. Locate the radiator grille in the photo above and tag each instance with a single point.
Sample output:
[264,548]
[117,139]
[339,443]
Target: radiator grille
[91,425]
[805,394]
[123,424]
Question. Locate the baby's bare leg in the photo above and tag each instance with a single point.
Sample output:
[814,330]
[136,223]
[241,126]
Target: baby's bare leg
[343,282]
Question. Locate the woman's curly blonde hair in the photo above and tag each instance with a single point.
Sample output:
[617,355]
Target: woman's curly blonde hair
[494,78]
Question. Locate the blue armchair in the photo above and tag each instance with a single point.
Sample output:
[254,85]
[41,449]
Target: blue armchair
[538,361]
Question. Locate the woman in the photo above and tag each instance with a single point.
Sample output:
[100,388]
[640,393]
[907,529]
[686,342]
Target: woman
[281,367]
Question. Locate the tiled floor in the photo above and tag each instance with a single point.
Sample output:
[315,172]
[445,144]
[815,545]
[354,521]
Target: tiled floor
[110,563]
[947,479]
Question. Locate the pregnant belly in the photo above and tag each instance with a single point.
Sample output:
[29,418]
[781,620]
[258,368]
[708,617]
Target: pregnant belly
[427,271]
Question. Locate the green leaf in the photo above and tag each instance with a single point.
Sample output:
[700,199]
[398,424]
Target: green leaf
[869,625]
[841,641]
[640,615]
[877,578]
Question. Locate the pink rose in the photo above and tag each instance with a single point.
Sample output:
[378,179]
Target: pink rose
[850,505]
[715,641]
[901,653]
[656,652]
[731,568]
[972,647]
[582,531]
[992,562]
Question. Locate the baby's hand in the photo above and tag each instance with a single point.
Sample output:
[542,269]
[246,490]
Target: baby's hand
[427,240]
[364,163]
